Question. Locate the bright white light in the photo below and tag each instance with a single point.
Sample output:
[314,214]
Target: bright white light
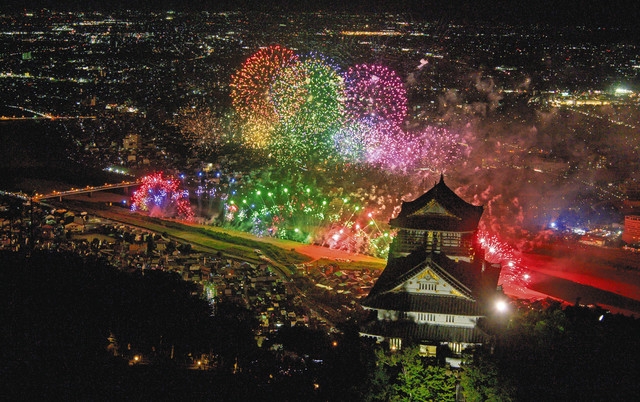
[501,306]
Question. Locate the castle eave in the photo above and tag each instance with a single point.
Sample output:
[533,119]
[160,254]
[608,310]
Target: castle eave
[425,332]
[423,303]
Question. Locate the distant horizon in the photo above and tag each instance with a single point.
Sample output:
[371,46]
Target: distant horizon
[612,14]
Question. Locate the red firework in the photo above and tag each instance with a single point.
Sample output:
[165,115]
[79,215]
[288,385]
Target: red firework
[497,251]
[250,86]
[162,197]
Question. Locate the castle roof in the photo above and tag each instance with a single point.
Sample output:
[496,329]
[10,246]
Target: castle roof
[471,283]
[468,279]
[421,303]
[438,209]
[425,332]
[465,277]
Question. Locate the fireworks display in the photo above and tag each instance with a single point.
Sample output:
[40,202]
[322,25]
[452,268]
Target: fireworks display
[162,197]
[202,130]
[339,220]
[307,97]
[302,112]
[322,109]
[497,251]
[251,85]
[377,143]
[337,151]
[376,92]
[437,148]
[291,107]
[257,134]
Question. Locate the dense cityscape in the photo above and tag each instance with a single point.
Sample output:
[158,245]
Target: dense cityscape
[250,164]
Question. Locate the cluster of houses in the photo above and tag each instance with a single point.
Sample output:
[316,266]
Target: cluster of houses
[354,283]
[273,300]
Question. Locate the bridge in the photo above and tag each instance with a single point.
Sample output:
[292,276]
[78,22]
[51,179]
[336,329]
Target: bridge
[85,190]
[41,116]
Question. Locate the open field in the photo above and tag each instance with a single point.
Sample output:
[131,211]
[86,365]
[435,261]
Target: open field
[233,243]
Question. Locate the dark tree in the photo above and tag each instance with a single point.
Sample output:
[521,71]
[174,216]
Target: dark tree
[64,314]
[577,353]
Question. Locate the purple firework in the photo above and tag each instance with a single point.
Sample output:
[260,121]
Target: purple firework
[374,91]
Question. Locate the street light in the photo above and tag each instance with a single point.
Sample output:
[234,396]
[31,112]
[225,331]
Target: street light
[501,306]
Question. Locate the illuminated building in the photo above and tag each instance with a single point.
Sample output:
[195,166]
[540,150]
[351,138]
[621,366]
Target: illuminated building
[631,234]
[131,142]
[437,283]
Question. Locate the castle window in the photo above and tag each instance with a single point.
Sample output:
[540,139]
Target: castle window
[423,317]
[427,286]
[451,239]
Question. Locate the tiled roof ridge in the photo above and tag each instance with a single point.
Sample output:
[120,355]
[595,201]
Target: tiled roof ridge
[440,191]
[430,262]
[451,279]
[425,303]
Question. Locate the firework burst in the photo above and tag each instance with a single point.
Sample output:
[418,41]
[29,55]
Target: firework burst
[378,143]
[303,116]
[202,129]
[496,251]
[250,86]
[376,92]
[162,196]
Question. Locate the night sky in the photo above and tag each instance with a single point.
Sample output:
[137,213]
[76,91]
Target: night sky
[611,13]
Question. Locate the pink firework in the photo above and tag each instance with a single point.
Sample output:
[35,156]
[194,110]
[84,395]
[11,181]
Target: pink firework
[439,148]
[162,197]
[376,92]
[377,143]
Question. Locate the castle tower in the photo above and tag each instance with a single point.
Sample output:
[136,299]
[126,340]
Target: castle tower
[436,284]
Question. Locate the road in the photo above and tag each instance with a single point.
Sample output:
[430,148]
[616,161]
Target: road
[593,276]
[571,291]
